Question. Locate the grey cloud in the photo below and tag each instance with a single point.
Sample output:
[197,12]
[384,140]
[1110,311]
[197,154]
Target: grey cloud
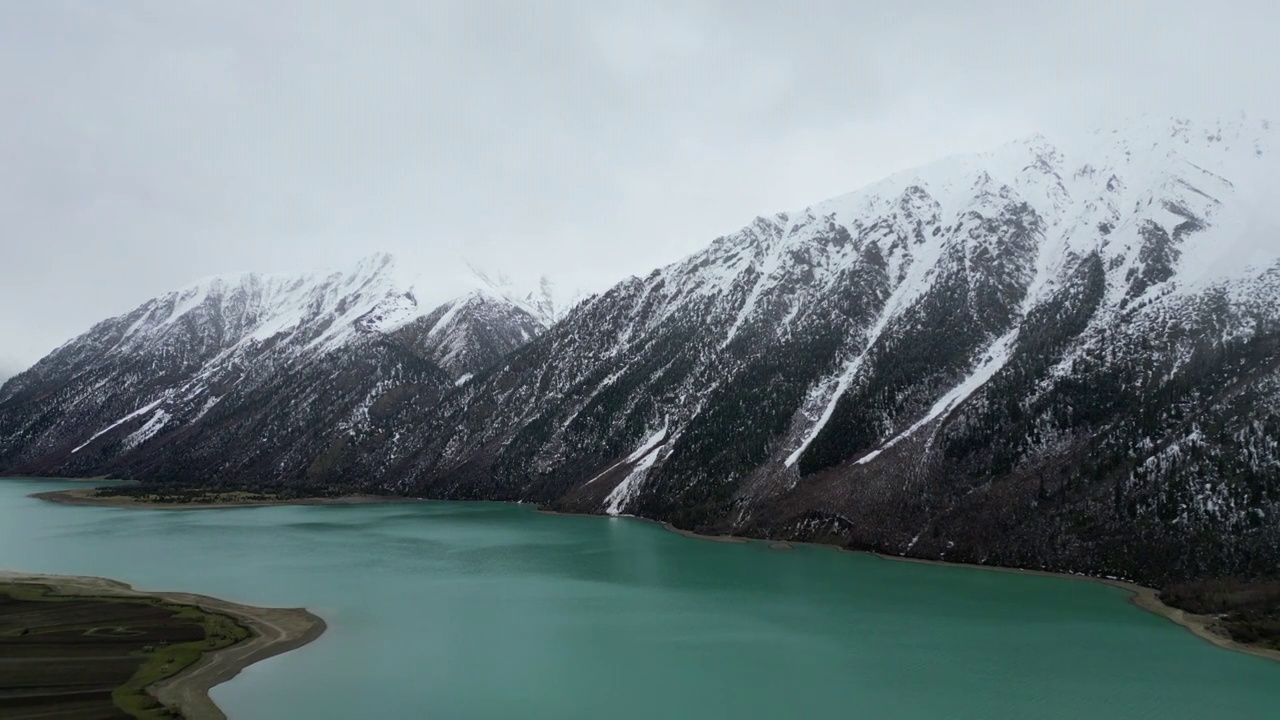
[147,144]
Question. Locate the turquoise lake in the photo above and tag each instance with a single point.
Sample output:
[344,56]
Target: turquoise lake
[478,610]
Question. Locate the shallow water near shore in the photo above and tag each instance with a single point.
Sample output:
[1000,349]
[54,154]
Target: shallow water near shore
[462,610]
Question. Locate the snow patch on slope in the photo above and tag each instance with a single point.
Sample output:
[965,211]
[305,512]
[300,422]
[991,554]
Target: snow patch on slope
[630,486]
[446,320]
[911,288]
[654,441]
[645,449]
[148,431]
[997,355]
[140,411]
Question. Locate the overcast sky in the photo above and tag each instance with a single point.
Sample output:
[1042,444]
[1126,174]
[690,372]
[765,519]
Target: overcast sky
[144,145]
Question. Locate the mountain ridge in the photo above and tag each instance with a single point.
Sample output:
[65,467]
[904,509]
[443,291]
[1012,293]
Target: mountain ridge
[1104,268]
[227,344]
[1052,355]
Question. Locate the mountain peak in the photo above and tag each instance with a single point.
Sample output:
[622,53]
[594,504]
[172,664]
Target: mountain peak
[544,301]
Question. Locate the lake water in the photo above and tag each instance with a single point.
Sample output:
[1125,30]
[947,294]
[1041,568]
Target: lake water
[453,610]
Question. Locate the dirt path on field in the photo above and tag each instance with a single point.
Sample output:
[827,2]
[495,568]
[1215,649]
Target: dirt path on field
[275,631]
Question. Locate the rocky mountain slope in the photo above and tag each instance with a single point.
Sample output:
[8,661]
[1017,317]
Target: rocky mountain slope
[1059,355]
[1055,354]
[247,376]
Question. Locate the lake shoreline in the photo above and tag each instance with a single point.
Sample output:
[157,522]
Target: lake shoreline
[1141,596]
[273,631]
[85,497]
[1146,598]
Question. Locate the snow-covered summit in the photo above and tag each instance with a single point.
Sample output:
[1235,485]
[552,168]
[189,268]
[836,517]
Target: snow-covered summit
[173,359]
[547,302]
[471,332]
[1101,191]
[317,311]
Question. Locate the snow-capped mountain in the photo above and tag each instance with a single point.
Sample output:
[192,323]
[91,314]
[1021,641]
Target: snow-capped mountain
[290,358]
[469,333]
[546,302]
[1060,353]
[1009,357]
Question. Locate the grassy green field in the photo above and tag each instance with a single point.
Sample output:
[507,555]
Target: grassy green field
[126,643]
